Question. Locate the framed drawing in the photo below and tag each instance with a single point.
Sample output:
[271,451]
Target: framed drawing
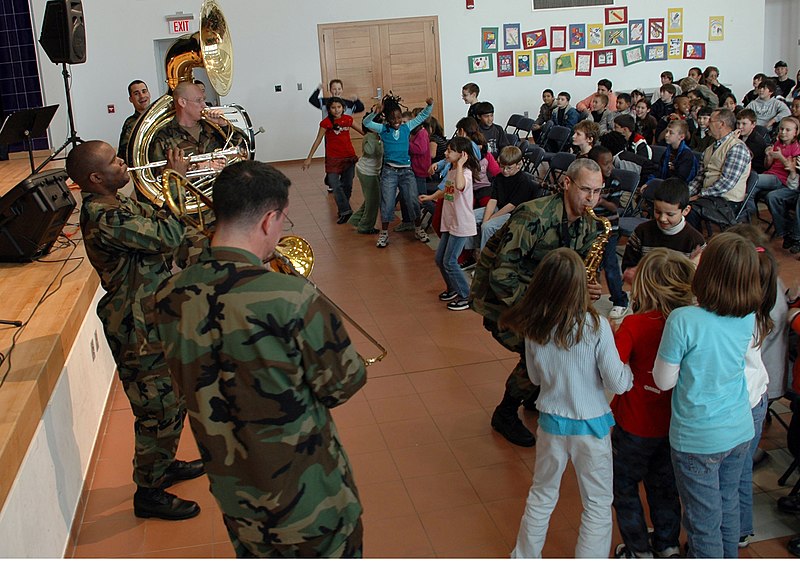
[616,15]
[558,38]
[565,62]
[655,52]
[480,62]
[505,64]
[716,28]
[541,62]
[523,59]
[594,36]
[674,47]
[633,55]
[655,30]
[694,50]
[616,37]
[675,20]
[605,58]
[636,32]
[488,40]
[583,63]
[577,36]
[534,39]
[511,37]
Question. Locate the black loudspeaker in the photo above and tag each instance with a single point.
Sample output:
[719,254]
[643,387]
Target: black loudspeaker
[32,215]
[63,32]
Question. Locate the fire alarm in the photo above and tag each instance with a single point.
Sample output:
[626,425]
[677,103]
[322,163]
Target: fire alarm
[111,108]
[470,4]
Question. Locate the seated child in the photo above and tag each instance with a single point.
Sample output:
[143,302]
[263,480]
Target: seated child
[682,106]
[780,180]
[624,104]
[545,112]
[495,135]
[564,115]
[601,114]
[646,124]
[768,109]
[702,138]
[664,106]
[585,136]
[626,126]
[756,139]
[668,229]
[679,160]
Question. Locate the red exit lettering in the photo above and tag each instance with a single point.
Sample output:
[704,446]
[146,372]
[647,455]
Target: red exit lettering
[179,26]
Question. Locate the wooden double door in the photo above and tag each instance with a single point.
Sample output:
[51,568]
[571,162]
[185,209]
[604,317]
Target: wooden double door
[375,57]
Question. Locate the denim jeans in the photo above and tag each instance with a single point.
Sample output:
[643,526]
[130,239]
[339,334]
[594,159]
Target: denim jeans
[610,265]
[393,178]
[447,260]
[638,459]
[708,485]
[342,186]
[746,482]
[781,202]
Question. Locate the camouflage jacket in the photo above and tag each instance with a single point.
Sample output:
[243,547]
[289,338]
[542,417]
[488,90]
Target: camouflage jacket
[261,358]
[131,246]
[173,135]
[510,257]
[125,135]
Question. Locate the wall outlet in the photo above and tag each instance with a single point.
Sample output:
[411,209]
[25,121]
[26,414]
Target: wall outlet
[299,87]
[278,89]
[525,114]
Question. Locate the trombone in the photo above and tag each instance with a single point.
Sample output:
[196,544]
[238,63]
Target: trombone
[293,255]
[219,154]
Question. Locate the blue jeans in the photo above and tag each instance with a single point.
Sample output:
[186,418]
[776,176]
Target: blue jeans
[781,202]
[708,485]
[610,265]
[393,178]
[447,253]
[342,186]
[746,482]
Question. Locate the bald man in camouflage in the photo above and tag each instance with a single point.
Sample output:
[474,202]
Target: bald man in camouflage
[261,359]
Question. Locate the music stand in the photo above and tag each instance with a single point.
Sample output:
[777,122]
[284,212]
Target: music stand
[23,126]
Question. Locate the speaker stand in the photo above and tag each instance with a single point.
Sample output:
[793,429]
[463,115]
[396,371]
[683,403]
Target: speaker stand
[73,138]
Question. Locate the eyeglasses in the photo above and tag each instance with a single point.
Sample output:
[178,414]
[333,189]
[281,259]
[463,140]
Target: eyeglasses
[287,222]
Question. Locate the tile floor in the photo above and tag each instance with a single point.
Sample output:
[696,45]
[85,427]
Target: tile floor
[435,480]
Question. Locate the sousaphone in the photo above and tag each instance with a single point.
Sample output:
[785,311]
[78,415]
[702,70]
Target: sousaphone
[210,48]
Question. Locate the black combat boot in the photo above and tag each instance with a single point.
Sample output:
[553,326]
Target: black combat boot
[155,502]
[506,421]
[179,471]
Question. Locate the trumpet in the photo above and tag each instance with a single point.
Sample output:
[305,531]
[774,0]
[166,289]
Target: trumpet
[220,154]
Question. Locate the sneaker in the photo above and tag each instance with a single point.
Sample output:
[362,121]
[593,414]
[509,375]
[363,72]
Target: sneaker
[622,552]
[458,305]
[794,546]
[794,248]
[617,312]
[745,540]
[448,295]
[404,227]
[383,239]
[669,553]
[421,235]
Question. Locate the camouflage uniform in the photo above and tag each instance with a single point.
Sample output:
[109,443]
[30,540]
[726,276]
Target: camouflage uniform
[260,358]
[131,246]
[173,135]
[125,135]
[507,264]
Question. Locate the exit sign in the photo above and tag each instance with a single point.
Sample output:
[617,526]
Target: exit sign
[179,26]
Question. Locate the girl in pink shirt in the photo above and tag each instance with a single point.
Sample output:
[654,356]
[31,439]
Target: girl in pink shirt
[458,222]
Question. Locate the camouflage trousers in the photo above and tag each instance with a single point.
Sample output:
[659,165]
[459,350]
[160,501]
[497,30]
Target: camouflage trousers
[332,545]
[518,385]
[159,414]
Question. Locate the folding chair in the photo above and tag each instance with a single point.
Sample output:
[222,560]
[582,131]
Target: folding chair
[742,212]
[628,182]
[525,127]
[658,153]
[523,145]
[558,164]
[557,138]
[532,158]
[512,122]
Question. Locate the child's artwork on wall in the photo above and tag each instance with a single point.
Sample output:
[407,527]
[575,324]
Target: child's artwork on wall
[674,47]
[605,58]
[694,50]
[583,63]
[655,30]
[636,32]
[634,55]
[594,35]
[674,20]
[558,38]
[616,16]
[616,37]
[523,63]
[511,37]
[716,28]
[480,62]
[565,62]
[655,52]
[577,36]
[489,40]
[541,62]
[505,64]
[534,39]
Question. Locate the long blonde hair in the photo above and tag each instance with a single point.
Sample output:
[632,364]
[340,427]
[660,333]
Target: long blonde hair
[663,282]
[555,304]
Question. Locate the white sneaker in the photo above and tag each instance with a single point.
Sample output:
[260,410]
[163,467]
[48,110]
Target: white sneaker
[383,239]
[421,235]
[617,312]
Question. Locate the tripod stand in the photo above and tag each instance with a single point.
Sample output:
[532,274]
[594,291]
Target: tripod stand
[73,138]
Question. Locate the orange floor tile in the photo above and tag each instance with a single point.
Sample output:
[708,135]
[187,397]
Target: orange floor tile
[435,480]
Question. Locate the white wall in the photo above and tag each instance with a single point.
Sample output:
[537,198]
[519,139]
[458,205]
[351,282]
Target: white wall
[275,42]
[781,35]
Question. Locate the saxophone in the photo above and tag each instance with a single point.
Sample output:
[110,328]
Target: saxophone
[598,247]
